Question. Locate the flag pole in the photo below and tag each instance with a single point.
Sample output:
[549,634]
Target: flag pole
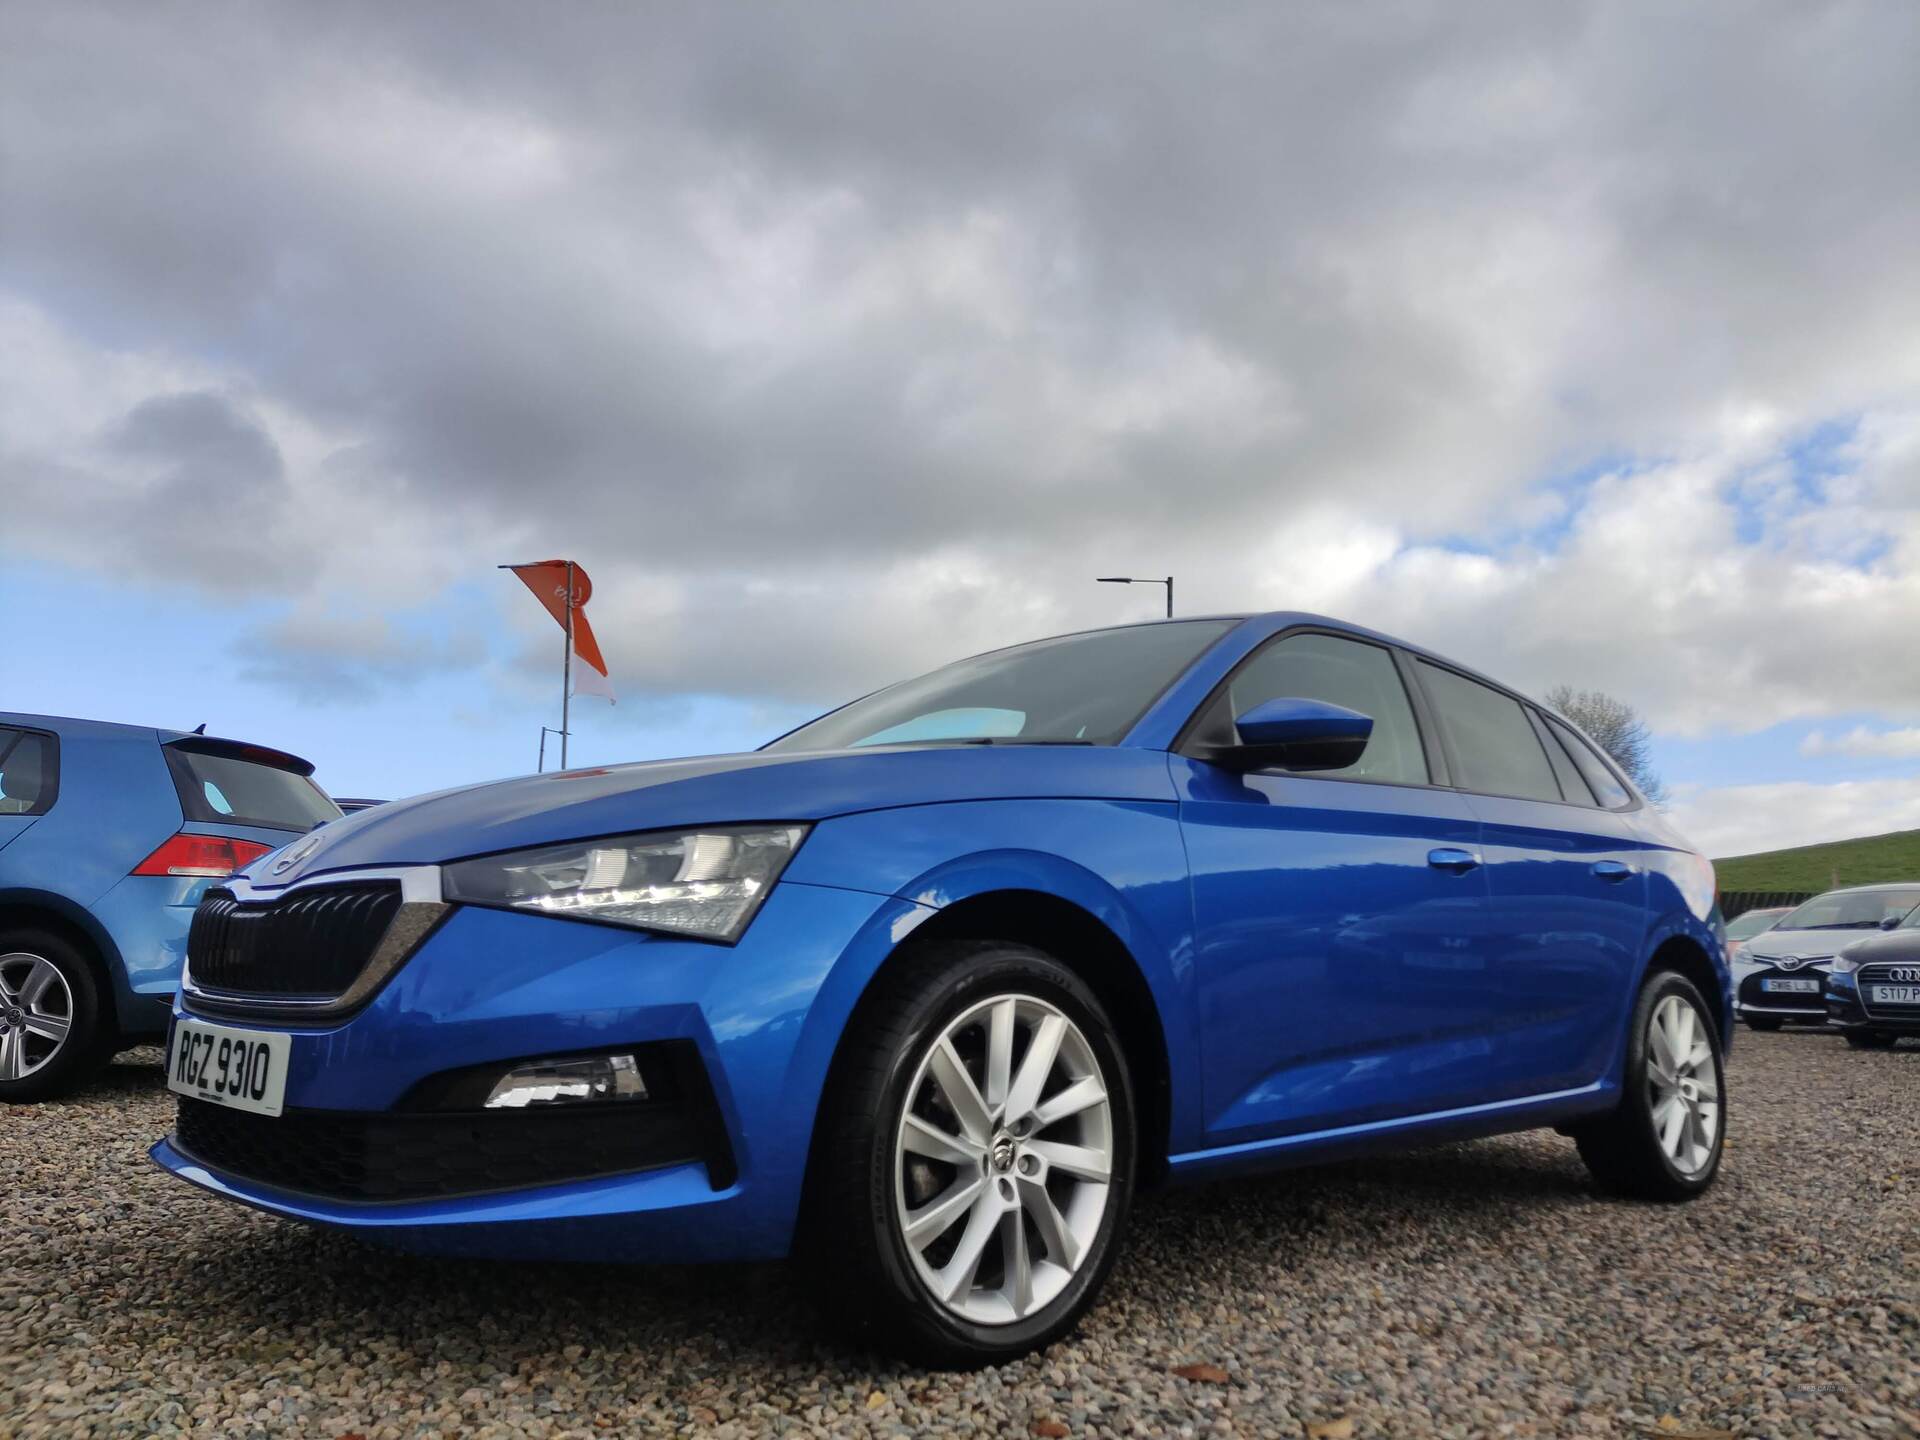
[566,671]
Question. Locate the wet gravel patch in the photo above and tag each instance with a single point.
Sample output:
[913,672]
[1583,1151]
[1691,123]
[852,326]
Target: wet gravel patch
[1469,1290]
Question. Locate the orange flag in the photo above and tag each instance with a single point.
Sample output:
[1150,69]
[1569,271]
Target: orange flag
[547,579]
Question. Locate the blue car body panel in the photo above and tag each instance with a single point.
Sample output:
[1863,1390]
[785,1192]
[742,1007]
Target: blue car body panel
[116,804]
[1321,983]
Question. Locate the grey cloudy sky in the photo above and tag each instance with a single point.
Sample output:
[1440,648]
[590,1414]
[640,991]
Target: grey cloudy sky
[1582,342]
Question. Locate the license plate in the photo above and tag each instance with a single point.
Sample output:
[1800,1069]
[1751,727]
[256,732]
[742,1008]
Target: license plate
[1791,987]
[1894,994]
[243,1069]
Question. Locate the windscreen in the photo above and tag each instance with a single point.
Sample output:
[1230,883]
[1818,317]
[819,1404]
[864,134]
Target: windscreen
[1851,910]
[226,789]
[1086,689]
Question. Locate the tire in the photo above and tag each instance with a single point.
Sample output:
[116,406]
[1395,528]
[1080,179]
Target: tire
[1628,1151]
[1871,1039]
[43,981]
[872,1174]
[1764,1025]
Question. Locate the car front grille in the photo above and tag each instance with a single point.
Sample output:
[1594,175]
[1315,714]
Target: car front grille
[312,943]
[1882,974]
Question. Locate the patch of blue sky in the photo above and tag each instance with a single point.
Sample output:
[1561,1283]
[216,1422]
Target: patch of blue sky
[1542,520]
[1773,755]
[175,659]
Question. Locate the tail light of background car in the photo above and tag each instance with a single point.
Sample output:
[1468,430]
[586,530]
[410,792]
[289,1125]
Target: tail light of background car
[212,855]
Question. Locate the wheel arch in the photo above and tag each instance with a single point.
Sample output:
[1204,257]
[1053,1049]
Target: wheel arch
[40,910]
[1686,956]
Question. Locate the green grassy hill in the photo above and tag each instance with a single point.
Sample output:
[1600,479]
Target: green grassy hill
[1866,861]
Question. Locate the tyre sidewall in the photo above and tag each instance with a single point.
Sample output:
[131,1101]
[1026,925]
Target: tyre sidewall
[995,969]
[86,1046]
[1636,1100]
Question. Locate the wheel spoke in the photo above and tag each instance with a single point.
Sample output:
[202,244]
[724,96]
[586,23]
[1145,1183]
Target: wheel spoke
[1062,1248]
[936,1217]
[42,978]
[1700,1058]
[1035,1066]
[13,1055]
[1682,1037]
[48,1027]
[956,1277]
[1075,1160]
[1083,1094]
[1000,1053]
[1013,1245]
[923,1137]
[950,1074]
[1672,1125]
[1708,1086]
[1666,1058]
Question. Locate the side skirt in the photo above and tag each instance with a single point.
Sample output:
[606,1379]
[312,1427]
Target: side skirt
[1528,1112]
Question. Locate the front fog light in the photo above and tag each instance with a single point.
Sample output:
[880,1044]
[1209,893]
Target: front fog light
[564,1082]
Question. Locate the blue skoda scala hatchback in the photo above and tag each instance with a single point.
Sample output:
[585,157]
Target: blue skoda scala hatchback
[927,987]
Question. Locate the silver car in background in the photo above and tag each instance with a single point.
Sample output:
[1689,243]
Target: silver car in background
[1779,976]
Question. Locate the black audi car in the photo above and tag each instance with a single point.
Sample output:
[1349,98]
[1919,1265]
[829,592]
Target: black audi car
[1873,987]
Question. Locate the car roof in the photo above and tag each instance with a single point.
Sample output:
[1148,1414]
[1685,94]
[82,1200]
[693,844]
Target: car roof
[1862,889]
[1278,620]
[73,724]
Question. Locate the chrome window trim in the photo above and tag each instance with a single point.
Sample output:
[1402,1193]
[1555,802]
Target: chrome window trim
[421,909]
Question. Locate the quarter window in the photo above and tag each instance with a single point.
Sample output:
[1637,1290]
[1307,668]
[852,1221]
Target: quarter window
[1352,673]
[1566,772]
[1493,741]
[1605,784]
[27,774]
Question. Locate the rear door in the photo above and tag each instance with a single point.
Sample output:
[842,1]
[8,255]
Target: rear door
[1567,883]
[29,779]
[1338,915]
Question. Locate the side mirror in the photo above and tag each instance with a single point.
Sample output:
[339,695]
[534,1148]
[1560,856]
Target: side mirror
[1296,734]
[1891,922]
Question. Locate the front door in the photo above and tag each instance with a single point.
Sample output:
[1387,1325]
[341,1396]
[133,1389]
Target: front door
[1339,960]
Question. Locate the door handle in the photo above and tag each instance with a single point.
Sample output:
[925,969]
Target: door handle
[1613,870]
[1448,857]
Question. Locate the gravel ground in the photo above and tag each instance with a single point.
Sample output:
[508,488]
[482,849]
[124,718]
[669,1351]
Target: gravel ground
[1468,1290]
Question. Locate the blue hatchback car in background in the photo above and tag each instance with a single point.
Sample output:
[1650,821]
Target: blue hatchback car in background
[925,988]
[108,836]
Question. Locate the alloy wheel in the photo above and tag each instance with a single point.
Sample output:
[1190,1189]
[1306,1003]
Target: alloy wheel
[1683,1086]
[36,1013]
[1003,1159]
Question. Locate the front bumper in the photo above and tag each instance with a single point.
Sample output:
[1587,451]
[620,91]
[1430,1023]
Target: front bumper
[1846,1009]
[1752,1000]
[759,1019]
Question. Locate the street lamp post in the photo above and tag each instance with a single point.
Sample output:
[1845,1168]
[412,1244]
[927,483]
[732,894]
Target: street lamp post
[1135,580]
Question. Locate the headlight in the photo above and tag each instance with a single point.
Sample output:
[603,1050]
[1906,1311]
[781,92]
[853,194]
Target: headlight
[1844,965]
[706,883]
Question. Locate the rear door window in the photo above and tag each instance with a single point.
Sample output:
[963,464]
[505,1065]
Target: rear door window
[225,786]
[29,772]
[1494,743]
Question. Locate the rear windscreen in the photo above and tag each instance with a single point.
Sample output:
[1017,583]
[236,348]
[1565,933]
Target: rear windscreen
[222,789]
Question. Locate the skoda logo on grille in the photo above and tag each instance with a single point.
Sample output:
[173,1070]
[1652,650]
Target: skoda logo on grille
[1910,973]
[294,854]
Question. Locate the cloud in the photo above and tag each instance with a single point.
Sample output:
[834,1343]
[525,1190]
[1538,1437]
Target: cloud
[1861,741]
[838,343]
[334,658]
[1734,820]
